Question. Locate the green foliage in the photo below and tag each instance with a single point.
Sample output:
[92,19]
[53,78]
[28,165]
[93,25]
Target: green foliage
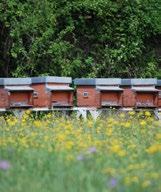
[78,38]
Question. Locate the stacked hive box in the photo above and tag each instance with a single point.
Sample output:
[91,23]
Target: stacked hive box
[18,93]
[3,95]
[52,92]
[99,92]
[159,93]
[140,93]
[146,95]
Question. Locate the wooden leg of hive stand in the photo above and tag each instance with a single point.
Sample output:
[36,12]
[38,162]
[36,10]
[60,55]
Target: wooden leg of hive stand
[95,113]
[18,113]
[82,112]
[157,114]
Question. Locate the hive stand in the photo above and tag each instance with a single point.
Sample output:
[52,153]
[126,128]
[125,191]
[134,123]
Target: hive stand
[81,112]
[18,113]
[157,114]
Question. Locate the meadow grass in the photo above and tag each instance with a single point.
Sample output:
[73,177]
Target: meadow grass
[117,153]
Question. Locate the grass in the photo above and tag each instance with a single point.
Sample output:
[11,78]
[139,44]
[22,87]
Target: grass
[118,153]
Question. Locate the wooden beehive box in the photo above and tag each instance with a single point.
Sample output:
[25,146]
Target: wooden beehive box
[3,95]
[19,92]
[87,95]
[158,86]
[110,92]
[146,95]
[52,92]
[98,92]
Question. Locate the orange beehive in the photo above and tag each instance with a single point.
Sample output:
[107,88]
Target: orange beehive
[146,95]
[158,86]
[18,92]
[99,92]
[52,92]
[3,95]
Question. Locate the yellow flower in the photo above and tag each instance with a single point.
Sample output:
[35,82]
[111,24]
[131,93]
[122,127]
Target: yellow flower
[127,124]
[135,179]
[147,114]
[127,180]
[131,113]
[143,123]
[37,123]
[69,145]
[122,153]
[70,157]
[60,137]
[110,170]
[146,184]
[109,132]
[158,136]
[122,115]
[154,149]
[118,150]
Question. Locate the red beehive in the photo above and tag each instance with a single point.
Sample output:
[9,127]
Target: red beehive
[146,95]
[3,95]
[158,86]
[19,93]
[99,92]
[52,92]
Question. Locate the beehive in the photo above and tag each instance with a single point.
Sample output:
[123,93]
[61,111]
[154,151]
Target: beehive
[19,92]
[99,92]
[158,86]
[146,95]
[52,92]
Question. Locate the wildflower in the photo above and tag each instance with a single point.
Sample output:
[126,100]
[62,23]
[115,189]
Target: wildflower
[69,157]
[147,114]
[127,124]
[4,165]
[112,182]
[142,123]
[154,149]
[127,180]
[109,132]
[146,183]
[122,115]
[158,136]
[118,150]
[80,157]
[131,113]
[69,145]
[110,170]
[92,150]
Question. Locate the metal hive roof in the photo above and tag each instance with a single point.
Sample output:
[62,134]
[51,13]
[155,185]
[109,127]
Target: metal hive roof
[144,81]
[85,81]
[51,79]
[1,81]
[97,81]
[159,82]
[108,81]
[17,81]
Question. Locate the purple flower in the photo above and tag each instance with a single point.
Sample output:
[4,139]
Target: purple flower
[4,165]
[112,182]
[92,150]
[80,157]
